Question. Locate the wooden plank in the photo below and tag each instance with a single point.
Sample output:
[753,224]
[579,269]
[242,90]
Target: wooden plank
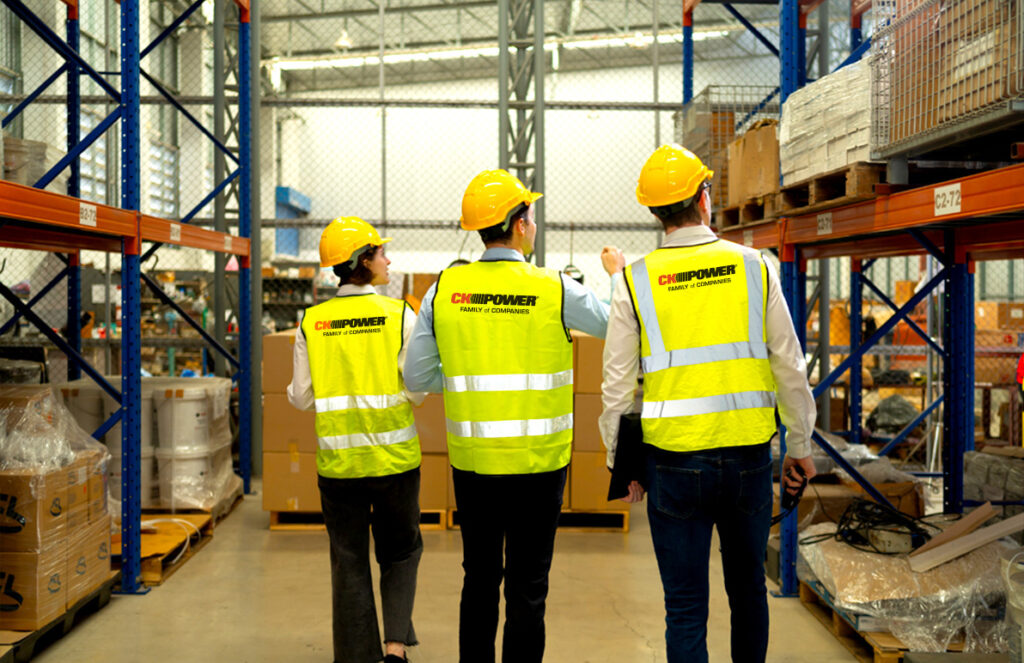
[965,525]
[967,543]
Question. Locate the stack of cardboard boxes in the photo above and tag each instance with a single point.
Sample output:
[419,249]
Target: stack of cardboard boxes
[55,543]
[998,341]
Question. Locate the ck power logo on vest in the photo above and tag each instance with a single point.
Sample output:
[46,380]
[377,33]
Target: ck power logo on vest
[347,326]
[494,303]
[698,278]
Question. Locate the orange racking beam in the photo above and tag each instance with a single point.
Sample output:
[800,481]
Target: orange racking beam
[885,246]
[55,241]
[761,236]
[153,229]
[977,196]
[24,203]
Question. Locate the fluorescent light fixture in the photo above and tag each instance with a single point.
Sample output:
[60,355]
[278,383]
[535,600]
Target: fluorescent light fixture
[344,41]
[636,41]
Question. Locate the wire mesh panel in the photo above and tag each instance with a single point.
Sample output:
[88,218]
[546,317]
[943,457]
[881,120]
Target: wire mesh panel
[939,64]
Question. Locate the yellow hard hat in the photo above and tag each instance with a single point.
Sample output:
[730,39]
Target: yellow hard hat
[491,197]
[343,238]
[672,174]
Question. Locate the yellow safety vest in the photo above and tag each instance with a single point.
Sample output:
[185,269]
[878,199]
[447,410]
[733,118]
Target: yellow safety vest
[707,381]
[364,422]
[507,362]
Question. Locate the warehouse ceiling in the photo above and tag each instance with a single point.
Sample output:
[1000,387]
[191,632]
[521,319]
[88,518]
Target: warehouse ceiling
[312,45]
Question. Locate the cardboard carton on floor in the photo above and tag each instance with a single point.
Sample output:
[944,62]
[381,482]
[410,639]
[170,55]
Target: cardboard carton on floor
[588,478]
[585,435]
[88,560]
[290,482]
[277,361]
[431,426]
[588,356]
[33,589]
[33,509]
[287,428]
[434,482]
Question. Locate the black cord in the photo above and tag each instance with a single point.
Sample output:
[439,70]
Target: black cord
[862,516]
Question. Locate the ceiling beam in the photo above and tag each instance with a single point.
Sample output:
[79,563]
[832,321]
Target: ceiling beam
[354,13]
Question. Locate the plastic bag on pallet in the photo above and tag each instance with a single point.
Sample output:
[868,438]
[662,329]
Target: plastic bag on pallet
[960,601]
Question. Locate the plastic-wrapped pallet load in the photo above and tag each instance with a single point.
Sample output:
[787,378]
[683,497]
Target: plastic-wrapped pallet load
[49,495]
[826,125]
[26,161]
[194,454]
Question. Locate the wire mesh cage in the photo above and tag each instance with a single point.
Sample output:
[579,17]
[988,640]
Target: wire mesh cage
[939,64]
[715,117]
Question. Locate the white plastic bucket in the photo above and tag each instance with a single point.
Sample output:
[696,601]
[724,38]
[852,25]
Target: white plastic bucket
[84,399]
[187,477]
[113,439]
[183,417]
[147,474]
[1012,563]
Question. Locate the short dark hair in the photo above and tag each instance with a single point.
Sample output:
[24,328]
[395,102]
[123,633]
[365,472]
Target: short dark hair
[502,232]
[685,212]
[360,274]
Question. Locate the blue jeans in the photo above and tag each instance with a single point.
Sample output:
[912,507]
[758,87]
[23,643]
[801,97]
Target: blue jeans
[689,493]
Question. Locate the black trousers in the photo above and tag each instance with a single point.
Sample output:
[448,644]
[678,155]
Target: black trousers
[508,531]
[389,506]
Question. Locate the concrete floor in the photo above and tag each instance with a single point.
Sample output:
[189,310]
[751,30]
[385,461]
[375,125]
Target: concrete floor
[253,595]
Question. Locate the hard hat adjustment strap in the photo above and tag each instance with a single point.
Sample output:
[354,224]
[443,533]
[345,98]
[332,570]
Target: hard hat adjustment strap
[353,262]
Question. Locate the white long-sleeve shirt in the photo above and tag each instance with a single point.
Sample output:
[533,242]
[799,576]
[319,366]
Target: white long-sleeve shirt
[622,358]
[300,391]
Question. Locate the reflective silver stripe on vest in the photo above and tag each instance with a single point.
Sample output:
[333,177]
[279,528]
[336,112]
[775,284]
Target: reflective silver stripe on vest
[704,355]
[511,382]
[355,440]
[755,296]
[338,403]
[689,407]
[512,428]
[645,306]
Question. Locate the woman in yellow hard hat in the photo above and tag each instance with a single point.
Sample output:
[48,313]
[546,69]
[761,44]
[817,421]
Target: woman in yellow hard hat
[347,364]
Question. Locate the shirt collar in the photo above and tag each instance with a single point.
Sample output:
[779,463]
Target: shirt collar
[689,236]
[349,289]
[502,253]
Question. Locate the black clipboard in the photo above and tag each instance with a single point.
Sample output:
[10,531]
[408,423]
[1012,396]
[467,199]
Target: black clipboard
[630,462]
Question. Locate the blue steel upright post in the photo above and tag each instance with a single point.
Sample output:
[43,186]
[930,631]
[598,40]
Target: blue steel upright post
[131,382]
[791,62]
[74,325]
[794,295]
[856,382]
[687,56]
[244,269]
[958,378]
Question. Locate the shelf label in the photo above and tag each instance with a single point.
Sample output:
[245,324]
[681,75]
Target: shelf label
[227,243]
[825,223]
[947,199]
[748,238]
[87,215]
[175,232]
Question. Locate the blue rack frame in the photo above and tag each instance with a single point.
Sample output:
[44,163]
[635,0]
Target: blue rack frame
[128,111]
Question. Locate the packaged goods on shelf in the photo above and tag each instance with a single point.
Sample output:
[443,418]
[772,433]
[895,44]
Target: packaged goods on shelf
[26,161]
[754,162]
[196,479]
[19,371]
[955,602]
[826,125]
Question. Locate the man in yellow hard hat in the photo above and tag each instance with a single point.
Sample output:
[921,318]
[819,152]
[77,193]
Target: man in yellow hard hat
[493,336]
[705,322]
[347,365]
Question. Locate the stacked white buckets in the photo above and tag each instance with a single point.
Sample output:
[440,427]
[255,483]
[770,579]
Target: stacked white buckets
[1012,565]
[185,437]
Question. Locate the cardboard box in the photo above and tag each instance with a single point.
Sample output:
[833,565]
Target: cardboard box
[754,163]
[88,560]
[588,363]
[277,361]
[34,587]
[78,518]
[78,483]
[287,428]
[586,435]
[98,489]
[290,482]
[421,283]
[994,315]
[588,479]
[33,509]
[434,482]
[431,425]
[823,502]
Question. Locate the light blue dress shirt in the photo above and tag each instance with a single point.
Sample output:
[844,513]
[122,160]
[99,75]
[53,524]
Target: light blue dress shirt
[582,310]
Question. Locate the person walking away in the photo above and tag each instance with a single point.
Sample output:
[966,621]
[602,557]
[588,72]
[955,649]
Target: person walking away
[705,322]
[347,364]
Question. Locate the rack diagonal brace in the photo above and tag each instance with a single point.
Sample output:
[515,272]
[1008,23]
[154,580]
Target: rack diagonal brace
[849,469]
[902,435]
[35,300]
[913,325]
[80,147]
[158,291]
[171,28]
[752,29]
[165,93]
[32,97]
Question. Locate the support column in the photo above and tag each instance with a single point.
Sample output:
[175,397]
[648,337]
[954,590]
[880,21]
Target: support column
[74,124]
[856,382]
[219,173]
[255,248]
[794,290]
[687,56]
[958,376]
[245,327]
[790,58]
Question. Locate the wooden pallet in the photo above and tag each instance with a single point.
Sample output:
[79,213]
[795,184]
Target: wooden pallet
[575,520]
[21,646]
[866,646]
[219,512]
[162,545]
[313,521]
[752,211]
[846,185]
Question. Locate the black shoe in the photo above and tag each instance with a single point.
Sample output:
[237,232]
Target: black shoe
[391,658]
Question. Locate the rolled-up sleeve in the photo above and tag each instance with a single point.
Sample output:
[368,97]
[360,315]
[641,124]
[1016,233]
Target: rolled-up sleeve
[796,403]
[422,367]
[583,310]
